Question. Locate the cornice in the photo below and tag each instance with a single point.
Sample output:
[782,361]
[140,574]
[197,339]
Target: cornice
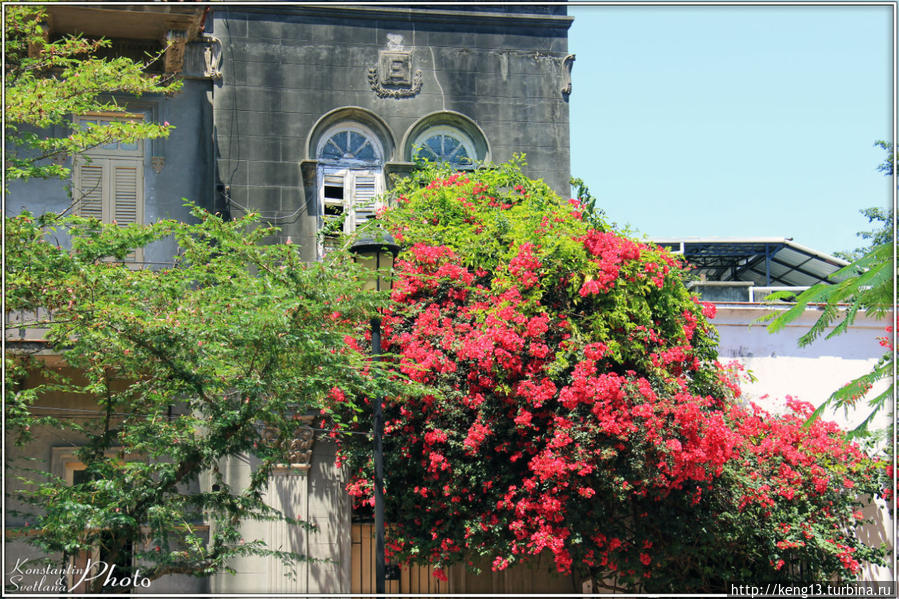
[409,14]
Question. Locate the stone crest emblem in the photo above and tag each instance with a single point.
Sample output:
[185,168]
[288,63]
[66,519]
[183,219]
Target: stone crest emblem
[393,76]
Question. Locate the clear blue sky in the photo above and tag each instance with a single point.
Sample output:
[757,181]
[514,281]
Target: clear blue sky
[733,121]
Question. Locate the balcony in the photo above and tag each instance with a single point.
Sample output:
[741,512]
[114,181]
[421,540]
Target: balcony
[158,25]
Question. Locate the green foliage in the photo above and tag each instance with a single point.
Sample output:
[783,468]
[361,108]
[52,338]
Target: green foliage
[888,166]
[592,213]
[186,365]
[512,211]
[180,367]
[47,83]
[865,285]
[879,236]
[884,218]
[577,409]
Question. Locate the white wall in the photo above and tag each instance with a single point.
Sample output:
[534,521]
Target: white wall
[809,374]
[316,496]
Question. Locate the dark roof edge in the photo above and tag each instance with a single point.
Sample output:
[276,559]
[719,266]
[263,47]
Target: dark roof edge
[784,241]
[412,14]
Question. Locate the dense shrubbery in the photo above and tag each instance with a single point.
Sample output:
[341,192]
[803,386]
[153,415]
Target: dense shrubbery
[578,408]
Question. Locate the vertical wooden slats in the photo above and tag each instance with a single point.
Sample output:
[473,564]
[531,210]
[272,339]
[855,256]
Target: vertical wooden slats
[537,576]
[413,579]
[125,198]
[88,190]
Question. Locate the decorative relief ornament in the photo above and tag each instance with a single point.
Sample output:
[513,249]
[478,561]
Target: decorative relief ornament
[298,449]
[393,76]
[567,63]
[158,163]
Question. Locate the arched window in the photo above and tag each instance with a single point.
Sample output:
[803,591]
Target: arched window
[350,145]
[350,177]
[444,144]
[449,137]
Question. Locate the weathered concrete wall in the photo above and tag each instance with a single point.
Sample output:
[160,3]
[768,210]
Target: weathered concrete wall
[285,68]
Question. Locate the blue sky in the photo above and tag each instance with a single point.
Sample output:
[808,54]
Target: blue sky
[733,121]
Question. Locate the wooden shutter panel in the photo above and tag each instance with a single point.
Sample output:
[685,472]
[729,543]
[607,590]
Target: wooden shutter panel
[125,197]
[89,191]
[333,208]
[126,194]
[364,192]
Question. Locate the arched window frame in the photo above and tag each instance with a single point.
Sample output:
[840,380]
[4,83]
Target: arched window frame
[455,124]
[347,186]
[447,131]
[350,127]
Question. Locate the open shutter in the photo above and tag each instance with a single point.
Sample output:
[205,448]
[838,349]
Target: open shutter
[333,208]
[88,192]
[347,197]
[364,192]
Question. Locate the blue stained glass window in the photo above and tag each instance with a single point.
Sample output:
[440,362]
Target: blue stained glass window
[443,147]
[349,145]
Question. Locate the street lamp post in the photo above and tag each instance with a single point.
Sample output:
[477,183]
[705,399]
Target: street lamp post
[378,255]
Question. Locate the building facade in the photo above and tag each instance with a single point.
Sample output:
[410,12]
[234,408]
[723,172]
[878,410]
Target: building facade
[318,109]
[305,115]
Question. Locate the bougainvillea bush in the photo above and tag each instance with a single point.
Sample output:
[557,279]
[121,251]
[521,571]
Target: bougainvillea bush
[578,410]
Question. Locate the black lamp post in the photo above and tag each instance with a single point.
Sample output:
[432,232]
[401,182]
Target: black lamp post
[378,255]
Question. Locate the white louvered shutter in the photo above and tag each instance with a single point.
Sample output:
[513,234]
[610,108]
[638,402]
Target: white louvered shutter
[89,189]
[126,193]
[364,192]
[110,190]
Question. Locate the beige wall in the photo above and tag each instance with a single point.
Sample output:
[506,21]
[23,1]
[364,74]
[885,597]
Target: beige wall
[316,496]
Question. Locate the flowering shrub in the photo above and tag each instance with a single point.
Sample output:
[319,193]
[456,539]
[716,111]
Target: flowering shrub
[577,408]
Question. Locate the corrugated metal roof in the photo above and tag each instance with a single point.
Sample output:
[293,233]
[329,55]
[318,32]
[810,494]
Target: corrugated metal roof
[764,261]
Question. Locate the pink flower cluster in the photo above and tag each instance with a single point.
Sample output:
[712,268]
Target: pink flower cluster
[567,408]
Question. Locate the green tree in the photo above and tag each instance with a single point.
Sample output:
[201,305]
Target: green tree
[47,82]
[883,218]
[865,285]
[883,233]
[187,365]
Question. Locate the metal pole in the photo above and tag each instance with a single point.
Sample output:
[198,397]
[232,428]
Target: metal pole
[378,426]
